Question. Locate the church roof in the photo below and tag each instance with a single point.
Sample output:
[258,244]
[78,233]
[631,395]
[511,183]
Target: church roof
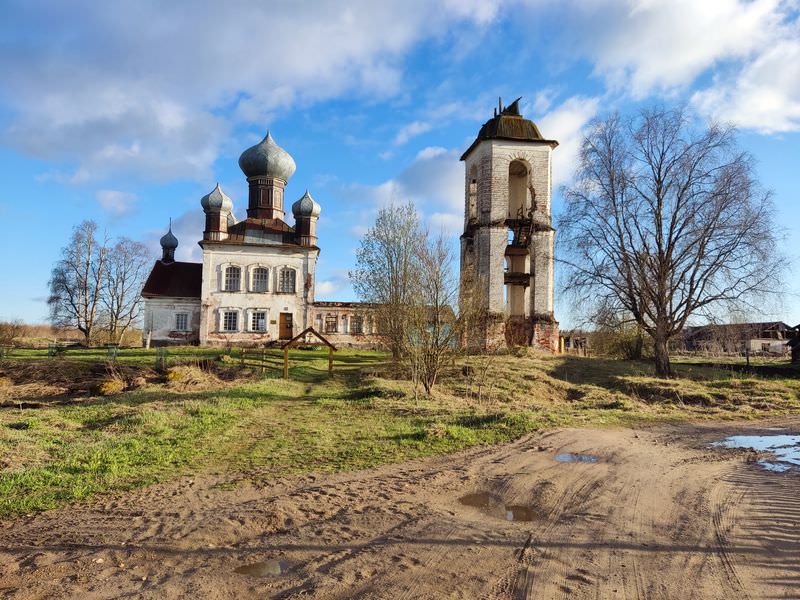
[509,124]
[174,280]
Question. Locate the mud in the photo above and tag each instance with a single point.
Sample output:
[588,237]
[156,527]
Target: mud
[661,515]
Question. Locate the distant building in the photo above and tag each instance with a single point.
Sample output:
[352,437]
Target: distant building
[256,282]
[794,344]
[739,338]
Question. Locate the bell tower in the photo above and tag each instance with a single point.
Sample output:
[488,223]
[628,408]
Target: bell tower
[507,244]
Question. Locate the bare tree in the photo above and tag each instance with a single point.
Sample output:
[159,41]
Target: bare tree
[666,219]
[127,267]
[10,330]
[77,280]
[432,332]
[387,269]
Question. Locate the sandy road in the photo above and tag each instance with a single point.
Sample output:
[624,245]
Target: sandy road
[658,516]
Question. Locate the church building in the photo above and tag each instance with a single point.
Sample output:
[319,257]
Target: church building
[256,281]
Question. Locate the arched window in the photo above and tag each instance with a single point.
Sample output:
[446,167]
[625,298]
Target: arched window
[472,194]
[517,190]
[260,279]
[233,279]
[287,281]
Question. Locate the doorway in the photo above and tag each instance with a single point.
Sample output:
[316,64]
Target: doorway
[285,326]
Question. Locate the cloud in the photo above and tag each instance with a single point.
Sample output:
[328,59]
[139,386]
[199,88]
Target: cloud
[116,203]
[644,46]
[326,288]
[411,130]
[565,124]
[764,96]
[154,90]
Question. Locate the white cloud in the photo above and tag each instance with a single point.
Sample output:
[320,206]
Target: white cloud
[140,87]
[657,45]
[565,124]
[326,288]
[411,130]
[116,203]
[764,96]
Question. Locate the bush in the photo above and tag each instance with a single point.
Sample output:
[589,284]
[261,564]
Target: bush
[110,386]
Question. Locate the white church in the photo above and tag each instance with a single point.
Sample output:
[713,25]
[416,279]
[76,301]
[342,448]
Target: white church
[256,281]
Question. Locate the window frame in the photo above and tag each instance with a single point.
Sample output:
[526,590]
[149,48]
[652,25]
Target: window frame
[251,321]
[281,287]
[185,316]
[225,278]
[223,318]
[256,269]
[334,319]
[357,325]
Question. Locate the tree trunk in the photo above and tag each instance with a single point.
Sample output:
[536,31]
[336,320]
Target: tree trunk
[663,367]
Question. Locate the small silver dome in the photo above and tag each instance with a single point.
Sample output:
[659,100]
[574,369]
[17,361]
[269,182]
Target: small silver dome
[267,159]
[216,201]
[168,240]
[231,220]
[306,207]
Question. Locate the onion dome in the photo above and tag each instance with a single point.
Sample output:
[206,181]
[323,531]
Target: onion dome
[231,220]
[306,207]
[169,241]
[216,201]
[267,159]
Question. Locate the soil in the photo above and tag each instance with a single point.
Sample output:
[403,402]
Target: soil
[659,514]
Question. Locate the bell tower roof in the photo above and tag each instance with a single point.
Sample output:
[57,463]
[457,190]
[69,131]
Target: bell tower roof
[508,124]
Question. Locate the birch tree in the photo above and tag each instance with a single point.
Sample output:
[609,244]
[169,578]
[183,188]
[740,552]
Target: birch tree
[78,279]
[667,219]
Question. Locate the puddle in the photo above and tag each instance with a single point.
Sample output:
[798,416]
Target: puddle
[786,449]
[568,457]
[267,568]
[494,507]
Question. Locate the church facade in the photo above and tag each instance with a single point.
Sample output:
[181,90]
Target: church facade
[256,281]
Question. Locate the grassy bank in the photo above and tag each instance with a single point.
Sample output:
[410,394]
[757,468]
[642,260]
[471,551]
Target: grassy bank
[225,416]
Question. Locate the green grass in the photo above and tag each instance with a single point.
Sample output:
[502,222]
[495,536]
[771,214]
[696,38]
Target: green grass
[262,426]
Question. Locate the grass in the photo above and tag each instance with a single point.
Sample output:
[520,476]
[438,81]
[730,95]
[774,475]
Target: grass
[236,419]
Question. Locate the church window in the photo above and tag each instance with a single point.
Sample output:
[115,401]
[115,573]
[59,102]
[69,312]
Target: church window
[181,321]
[233,279]
[356,324]
[230,320]
[258,320]
[330,324]
[260,279]
[287,281]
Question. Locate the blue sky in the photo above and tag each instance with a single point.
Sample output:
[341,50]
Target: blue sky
[129,112]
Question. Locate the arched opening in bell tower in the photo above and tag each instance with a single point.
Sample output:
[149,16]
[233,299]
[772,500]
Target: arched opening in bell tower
[472,194]
[517,190]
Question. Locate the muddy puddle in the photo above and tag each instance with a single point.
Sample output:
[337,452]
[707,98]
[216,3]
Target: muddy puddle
[269,568]
[785,448]
[494,507]
[583,458]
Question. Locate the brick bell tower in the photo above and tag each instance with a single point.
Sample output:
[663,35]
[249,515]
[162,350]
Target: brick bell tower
[507,244]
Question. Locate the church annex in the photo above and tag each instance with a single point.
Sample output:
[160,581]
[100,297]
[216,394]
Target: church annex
[256,281]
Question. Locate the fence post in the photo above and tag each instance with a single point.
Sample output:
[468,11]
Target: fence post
[330,361]
[286,362]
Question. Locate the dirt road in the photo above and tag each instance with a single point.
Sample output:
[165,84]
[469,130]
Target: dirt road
[658,515]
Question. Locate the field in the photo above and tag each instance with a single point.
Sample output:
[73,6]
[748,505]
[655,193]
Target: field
[78,425]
